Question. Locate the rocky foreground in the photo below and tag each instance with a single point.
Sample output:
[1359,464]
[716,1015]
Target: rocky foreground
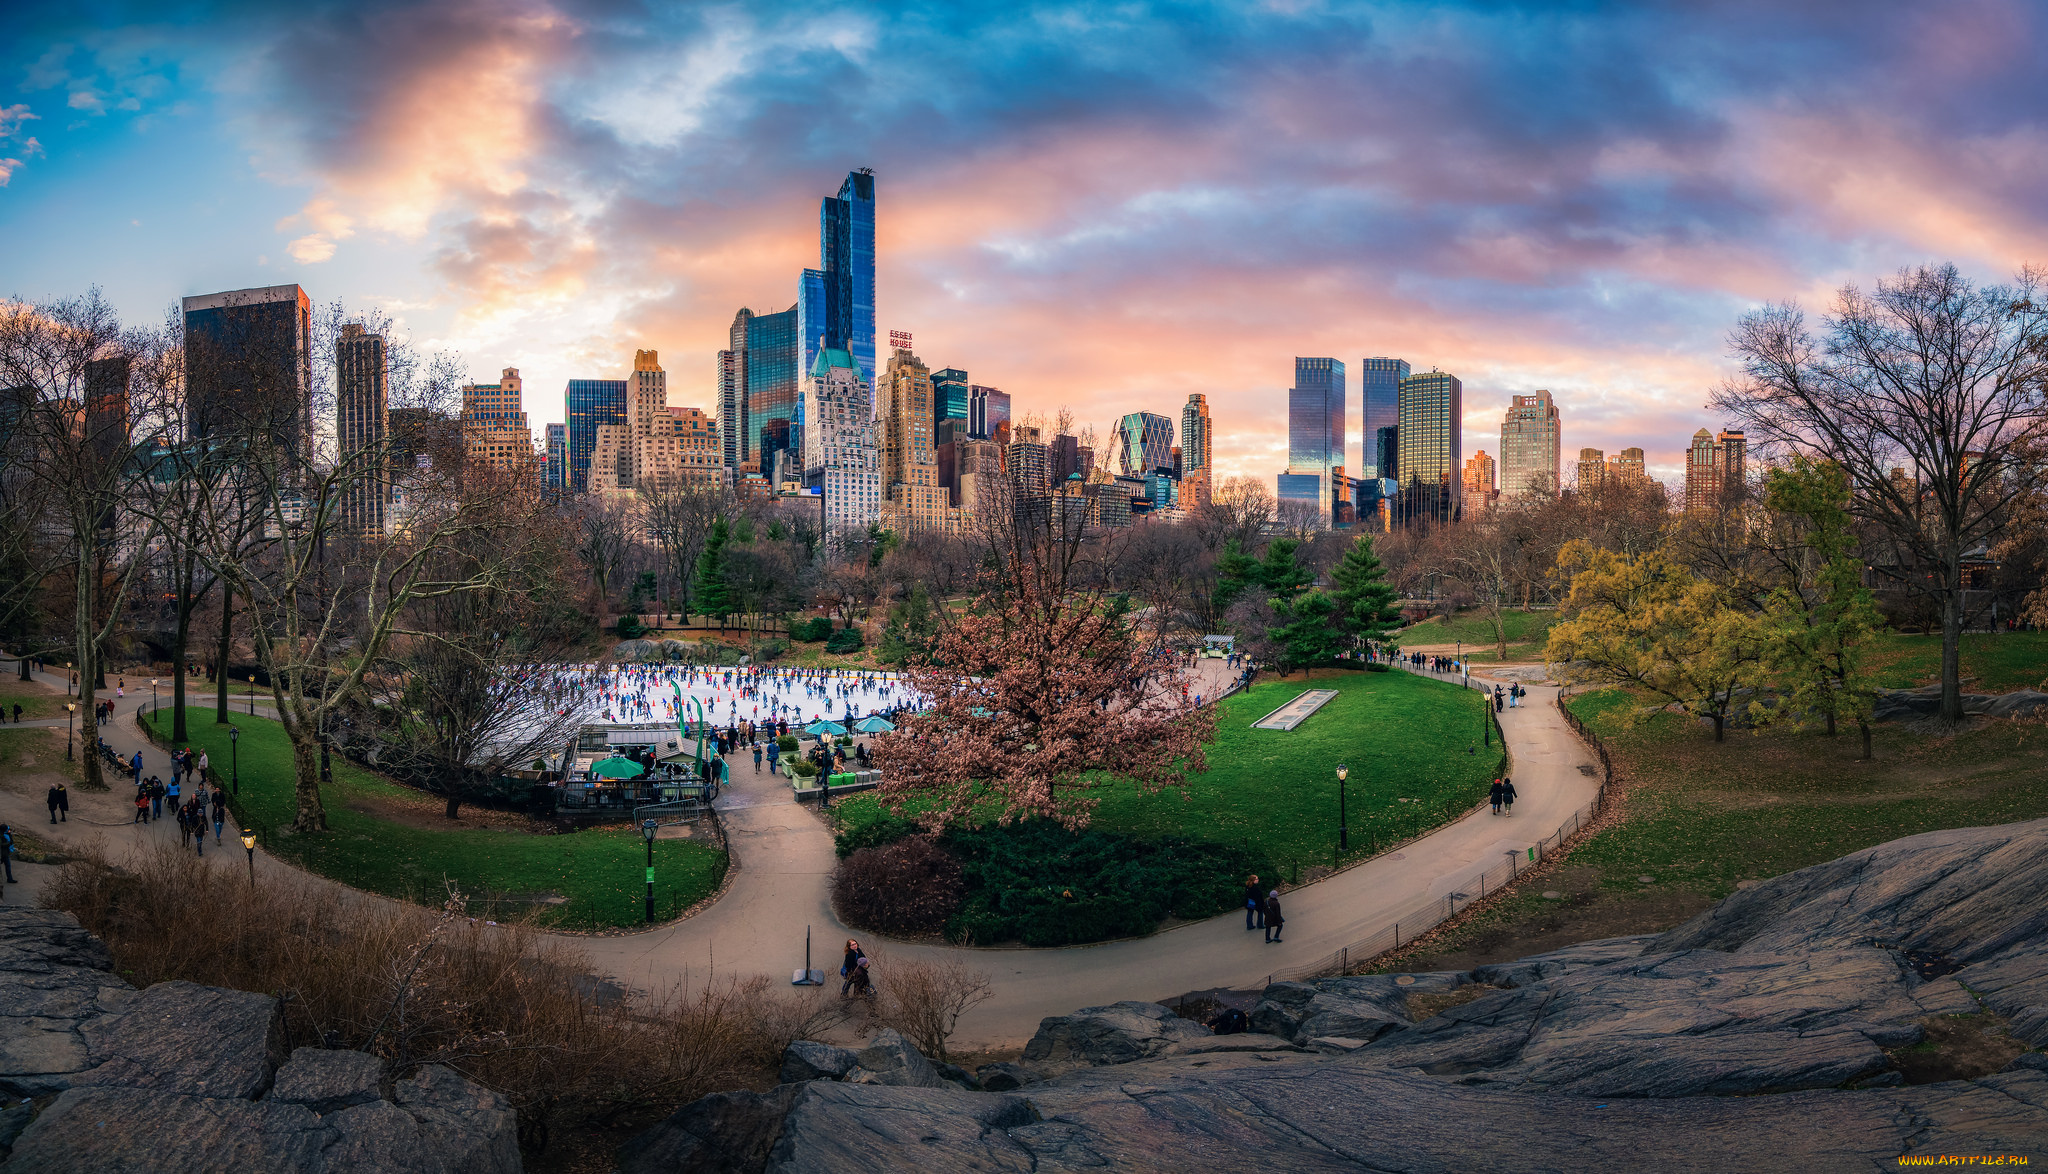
[1762,1035]
[101,1078]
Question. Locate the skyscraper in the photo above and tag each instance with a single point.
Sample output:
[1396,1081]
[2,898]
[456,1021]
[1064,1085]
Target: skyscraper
[949,394]
[557,455]
[734,447]
[1315,434]
[592,403]
[1431,447]
[1143,444]
[1714,468]
[1627,467]
[249,365]
[775,389]
[494,429]
[1196,449]
[987,411]
[846,251]
[1379,386]
[1479,487]
[914,497]
[1529,452]
[362,429]
[1592,468]
[839,444]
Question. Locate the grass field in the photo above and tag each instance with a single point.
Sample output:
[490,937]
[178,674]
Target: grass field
[1526,632]
[600,872]
[1700,817]
[35,702]
[1404,737]
[2000,661]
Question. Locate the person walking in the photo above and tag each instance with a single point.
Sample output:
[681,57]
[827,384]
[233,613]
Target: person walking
[1273,918]
[1493,796]
[17,713]
[141,806]
[7,851]
[1507,794]
[220,813]
[1254,904]
[59,801]
[200,773]
[757,758]
[135,767]
[851,963]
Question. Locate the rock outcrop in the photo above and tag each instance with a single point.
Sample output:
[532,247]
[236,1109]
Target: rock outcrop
[181,1077]
[1610,1055]
[1896,705]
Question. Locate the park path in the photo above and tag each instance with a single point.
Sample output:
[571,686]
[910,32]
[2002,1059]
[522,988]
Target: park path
[785,860]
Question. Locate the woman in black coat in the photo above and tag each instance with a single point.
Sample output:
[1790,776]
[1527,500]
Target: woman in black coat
[1273,918]
[1254,903]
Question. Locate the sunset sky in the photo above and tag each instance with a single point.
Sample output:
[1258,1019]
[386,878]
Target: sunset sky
[1102,206]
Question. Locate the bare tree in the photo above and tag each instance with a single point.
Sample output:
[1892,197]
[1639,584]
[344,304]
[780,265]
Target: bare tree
[1240,510]
[1927,392]
[679,514]
[608,529]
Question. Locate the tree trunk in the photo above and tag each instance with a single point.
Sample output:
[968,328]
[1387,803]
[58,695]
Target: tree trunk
[1720,724]
[220,663]
[311,817]
[1952,643]
[1831,723]
[1865,728]
[454,804]
[88,669]
[178,650]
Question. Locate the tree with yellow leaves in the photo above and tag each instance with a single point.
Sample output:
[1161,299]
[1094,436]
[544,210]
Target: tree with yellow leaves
[1647,621]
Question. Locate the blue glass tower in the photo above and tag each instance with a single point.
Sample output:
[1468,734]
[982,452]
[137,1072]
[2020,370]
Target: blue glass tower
[846,249]
[1315,428]
[949,395]
[591,402]
[775,385]
[1379,386]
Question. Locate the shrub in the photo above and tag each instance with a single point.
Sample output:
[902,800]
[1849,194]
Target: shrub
[811,630]
[1038,883]
[767,650]
[630,627]
[844,640]
[909,887]
[787,743]
[924,999]
[1374,666]
[873,834]
[802,768]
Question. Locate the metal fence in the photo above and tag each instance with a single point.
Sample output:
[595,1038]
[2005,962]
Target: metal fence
[1422,916]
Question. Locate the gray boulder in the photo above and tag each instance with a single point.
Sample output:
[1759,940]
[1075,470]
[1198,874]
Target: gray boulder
[1008,1075]
[1537,967]
[1115,1034]
[851,1127]
[809,1060]
[889,1059]
[724,1133]
[181,1077]
[1364,1006]
[326,1081]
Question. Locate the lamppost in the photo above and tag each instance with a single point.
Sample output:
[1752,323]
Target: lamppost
[647,829]
[71,688]
[252,694]
[69,709]
[249,846]
[152,694]
[235,753]
[1486,717]
[1343,824]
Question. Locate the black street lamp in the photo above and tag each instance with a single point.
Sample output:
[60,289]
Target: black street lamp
[235,751]
[152,694]
[69,709]
[249,846]
[1343,824]
[1486,717]
[252,694]
[647,829]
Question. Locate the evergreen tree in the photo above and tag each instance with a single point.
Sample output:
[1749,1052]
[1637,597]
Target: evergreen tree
[1235,571]
[1309,630]
[713,596]
[1280,574]
[1366,607]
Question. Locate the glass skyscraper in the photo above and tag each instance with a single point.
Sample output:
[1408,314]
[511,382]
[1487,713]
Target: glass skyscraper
[1315,430]
[1144,444]
[591,402]
[949,395]
[1379,387]
[846,252]
[1432,455]
[774,388]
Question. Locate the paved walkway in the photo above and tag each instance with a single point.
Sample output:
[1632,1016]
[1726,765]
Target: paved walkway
[785,861]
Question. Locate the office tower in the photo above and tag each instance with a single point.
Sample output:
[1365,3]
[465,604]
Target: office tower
[1196,449]
[249,366]
[592,404]
[1066,457]
[1142,442]
[611,460]
[494,429]
[1715,468]
[557,455]
[1387,451]
[846,252]
[839,444]
[1379,386]
[1431,447]
[362,428]
[1030,464]
[1627,467]
[1731,452]
[774,391]
[1700,489]
[649,427]
[106,410]
[1315,434]
[696,444]
[1529,452]
[949,394]
[914,496]
[734,446]
[1592,468]
[1479,472]
[988,410]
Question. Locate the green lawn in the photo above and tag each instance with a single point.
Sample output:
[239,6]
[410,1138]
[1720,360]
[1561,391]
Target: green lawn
[1704,816]
[1404,737]
[1526,632]
[602,873]
[2001,661]
[33,701]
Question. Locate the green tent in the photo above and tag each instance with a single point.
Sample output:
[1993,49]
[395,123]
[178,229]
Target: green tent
[873,725]
[616,768]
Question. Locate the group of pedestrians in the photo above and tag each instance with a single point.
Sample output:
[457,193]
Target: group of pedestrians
[1502,794]
[1509,698]
[855,970]
[1262,910]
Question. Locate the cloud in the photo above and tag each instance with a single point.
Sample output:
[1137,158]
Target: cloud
[11,118]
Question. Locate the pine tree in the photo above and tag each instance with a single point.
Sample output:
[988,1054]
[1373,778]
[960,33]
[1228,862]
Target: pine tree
[1366,607]
[713,597]
[1280,574]
[1235,571]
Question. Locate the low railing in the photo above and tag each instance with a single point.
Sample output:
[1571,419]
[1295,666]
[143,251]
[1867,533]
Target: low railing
[1424,915]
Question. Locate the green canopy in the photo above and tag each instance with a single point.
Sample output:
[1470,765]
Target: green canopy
[616,768]
[821,727]
[873,725]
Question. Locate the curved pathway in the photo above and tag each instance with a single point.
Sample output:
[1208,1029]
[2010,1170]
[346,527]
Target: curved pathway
[785,861]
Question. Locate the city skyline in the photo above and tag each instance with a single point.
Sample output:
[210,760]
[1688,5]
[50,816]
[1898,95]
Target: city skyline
[556,191]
